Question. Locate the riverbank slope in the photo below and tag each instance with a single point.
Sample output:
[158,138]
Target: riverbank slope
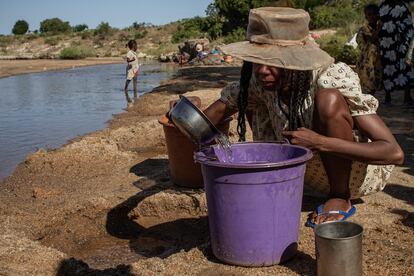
[104,204]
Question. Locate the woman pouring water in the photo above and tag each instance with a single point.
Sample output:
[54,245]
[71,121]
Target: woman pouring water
[289,88]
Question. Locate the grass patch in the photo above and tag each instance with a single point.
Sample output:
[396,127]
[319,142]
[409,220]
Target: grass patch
[77,52]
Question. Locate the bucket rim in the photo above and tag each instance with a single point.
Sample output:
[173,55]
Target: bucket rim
[360,230]
[164,121]
[294,161]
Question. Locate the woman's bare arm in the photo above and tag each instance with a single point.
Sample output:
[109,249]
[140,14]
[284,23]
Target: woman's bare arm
[383,149]
[218,111]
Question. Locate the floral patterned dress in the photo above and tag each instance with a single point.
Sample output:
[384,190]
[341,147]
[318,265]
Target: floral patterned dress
[368,65]
[269,121]
[395,37]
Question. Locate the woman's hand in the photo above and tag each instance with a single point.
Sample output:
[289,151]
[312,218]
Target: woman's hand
[383,150]
[305,137]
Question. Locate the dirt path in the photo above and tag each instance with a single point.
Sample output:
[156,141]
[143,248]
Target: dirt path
[18,67]
[104,204]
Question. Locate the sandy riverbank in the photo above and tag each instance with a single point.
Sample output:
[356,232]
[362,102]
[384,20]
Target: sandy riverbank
[104,203]
[18,67]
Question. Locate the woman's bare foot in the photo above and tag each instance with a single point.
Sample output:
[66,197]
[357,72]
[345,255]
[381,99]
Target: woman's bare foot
[333,204]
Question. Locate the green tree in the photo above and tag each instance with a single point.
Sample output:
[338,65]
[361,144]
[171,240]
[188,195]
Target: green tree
[80,28]
[213,23]
[54,25]
[103,29]
[20,27]
[234,14]
[189,28]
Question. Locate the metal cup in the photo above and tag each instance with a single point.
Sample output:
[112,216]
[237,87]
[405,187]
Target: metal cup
[338,248]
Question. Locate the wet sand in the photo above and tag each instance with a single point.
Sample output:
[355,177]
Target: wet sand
[104,203]
[18,67]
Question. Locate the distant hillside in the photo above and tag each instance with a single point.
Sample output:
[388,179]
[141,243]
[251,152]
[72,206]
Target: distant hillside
[225,22]
[152,41]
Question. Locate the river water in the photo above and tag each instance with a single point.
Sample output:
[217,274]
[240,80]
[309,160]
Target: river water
[45,110]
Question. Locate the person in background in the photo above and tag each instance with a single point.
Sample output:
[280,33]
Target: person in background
[200,51]
[132,69]
[409,58]
[395,36]
[368,65]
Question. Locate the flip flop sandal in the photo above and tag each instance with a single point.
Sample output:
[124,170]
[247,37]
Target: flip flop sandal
[319,212]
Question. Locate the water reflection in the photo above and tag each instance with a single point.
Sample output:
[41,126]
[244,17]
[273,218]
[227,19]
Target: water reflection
[44,110]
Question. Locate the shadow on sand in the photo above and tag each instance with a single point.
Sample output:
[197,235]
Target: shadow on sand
[74,267]
[405,194]
[166,238]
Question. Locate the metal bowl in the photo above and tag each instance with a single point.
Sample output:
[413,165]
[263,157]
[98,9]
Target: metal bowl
[192,122]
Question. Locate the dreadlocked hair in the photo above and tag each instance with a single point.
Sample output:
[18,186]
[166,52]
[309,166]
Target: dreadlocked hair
[245,76]
[297,83]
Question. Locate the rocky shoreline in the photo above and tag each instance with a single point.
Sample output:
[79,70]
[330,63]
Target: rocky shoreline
[104,204]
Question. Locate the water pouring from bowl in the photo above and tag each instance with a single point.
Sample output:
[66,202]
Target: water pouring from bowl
[193,123]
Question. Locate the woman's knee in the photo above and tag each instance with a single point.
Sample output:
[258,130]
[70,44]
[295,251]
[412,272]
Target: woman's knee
[331,105]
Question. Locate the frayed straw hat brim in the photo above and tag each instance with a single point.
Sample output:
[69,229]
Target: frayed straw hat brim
[298,57]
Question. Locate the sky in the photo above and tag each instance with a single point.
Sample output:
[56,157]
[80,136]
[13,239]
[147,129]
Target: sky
[118,14]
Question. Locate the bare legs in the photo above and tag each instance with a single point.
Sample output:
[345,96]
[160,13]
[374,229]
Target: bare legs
[387,100]
[408,100]
[332,118]
[135,85]
[126,91]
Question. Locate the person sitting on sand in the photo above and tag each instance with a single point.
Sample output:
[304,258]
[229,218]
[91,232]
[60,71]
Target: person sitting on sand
[291,88]
[132,69]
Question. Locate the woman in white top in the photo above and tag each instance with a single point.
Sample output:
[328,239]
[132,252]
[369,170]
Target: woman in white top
[290,88]
[132,69]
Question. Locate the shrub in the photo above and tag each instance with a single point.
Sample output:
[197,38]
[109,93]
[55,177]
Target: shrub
[336,15]
[52,41]
[141,25]
[103,29]
[238,34]
[75,43]
[77,52]
[31,36]
[20,27]
[86,34]
[335,45]
[322,17]
[349,55]
[79,28]
[6,40]
[188,28]
[139,35]
[54,25]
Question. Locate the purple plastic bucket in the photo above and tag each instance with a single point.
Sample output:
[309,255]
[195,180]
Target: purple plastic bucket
[254,202]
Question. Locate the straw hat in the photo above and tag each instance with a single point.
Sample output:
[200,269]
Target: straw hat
[280,37]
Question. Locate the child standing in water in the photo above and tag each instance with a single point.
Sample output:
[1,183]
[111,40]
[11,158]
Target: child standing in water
[369,65]
[132,69]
